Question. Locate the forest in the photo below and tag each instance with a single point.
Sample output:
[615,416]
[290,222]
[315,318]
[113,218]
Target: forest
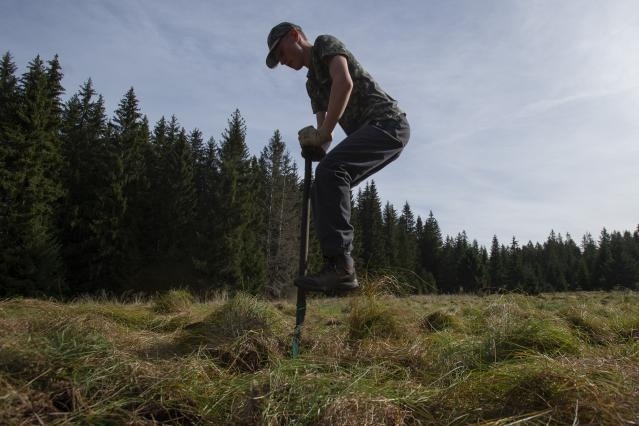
[91,203]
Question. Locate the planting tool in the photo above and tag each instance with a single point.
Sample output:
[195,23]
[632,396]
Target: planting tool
[310,154]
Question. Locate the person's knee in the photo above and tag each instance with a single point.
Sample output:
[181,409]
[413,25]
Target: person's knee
[329,171]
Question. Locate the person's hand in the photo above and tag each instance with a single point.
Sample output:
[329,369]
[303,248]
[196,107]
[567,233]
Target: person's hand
[314,143]
[309,136]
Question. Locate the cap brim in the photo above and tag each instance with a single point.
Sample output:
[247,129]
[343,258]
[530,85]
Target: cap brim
[271,60]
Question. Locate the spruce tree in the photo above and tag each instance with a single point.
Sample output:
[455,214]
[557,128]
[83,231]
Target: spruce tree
[9,177]
[389,233]
[447,280]
[197,149]
[156,176]
[471,270]
[84,177]
[407,239]
[587,263]
[370,237]
[496,268]
[130,141]
[208,230]
[531,282]
[623,269]
[182,203]
[602,270]
[32,166]
[430,246]
[280,208]
[253,259]
[238,266]
[514,267]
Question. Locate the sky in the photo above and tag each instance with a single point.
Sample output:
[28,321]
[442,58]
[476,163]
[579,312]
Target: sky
[524,114]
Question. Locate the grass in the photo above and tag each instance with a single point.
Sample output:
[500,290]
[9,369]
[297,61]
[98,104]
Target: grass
[375,358]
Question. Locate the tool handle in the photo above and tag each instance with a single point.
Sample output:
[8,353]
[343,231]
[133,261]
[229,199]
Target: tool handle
[300,311]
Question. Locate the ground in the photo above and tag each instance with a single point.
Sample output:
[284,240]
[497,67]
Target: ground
[369,359]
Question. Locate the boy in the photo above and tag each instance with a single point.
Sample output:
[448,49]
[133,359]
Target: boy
[340,91]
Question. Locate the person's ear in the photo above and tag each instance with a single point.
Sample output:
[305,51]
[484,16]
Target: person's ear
[295,35]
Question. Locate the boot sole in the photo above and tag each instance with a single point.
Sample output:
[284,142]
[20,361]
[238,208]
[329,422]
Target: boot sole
[341,288]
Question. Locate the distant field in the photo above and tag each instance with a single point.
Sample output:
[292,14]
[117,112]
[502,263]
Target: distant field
[366,360]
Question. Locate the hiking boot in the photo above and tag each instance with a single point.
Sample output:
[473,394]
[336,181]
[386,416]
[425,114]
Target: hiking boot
[336,276]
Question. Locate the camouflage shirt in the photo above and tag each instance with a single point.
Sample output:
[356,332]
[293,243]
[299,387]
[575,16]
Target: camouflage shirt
[367,102]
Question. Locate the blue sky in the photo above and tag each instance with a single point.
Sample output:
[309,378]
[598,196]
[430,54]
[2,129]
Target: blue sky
[524,114]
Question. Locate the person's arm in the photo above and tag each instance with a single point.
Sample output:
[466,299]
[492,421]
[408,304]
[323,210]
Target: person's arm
[341,88]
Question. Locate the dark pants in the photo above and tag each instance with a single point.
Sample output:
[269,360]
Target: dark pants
[357,157]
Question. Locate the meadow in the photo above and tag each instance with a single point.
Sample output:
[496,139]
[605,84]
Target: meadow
[374,358]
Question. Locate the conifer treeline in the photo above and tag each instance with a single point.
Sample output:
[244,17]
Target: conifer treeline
[416,251]
[89,203]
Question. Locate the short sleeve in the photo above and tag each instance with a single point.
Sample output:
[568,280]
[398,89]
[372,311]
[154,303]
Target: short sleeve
[328,46]
[319,103]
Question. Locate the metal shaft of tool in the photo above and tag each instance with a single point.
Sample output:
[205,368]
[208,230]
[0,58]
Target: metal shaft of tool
[300,311]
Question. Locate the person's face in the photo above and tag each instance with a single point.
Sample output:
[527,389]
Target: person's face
[289,51]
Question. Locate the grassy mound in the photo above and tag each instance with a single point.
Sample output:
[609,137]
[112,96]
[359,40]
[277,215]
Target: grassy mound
[588,326]
[242,334]
[515,328]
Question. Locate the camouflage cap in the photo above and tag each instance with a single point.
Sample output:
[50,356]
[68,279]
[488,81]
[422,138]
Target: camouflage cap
[274,37]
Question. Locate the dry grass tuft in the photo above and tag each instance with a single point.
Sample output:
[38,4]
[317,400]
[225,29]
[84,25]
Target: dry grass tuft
[363,411]
[374,316]
[175,300]
[380,285]
[438,321]
[26,406]
[250,352]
